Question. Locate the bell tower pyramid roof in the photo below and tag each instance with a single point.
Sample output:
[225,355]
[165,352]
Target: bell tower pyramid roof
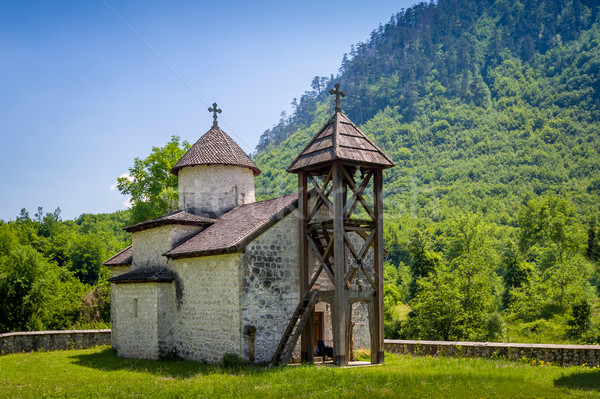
[340,139]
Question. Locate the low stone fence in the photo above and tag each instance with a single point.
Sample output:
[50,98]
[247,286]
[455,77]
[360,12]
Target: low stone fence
[52,340]
[558,354]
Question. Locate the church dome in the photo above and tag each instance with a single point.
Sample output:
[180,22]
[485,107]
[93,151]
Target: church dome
[215,147]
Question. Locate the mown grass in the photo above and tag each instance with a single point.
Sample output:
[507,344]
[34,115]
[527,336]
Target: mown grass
[99,373]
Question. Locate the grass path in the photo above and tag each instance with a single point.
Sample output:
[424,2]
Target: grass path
[99,373]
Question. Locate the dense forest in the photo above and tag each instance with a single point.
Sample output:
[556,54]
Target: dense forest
[51,272]
[490,110]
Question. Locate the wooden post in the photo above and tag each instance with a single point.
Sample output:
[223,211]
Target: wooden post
[306,340]
[377,319]
[340,304]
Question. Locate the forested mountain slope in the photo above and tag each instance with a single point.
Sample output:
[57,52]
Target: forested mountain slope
[483,105]
[491,111]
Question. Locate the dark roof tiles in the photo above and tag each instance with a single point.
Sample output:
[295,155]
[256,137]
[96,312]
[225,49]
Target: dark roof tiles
[123,258]
[154,274]
[237,227]
[177,217]
[215,147]
[341,140]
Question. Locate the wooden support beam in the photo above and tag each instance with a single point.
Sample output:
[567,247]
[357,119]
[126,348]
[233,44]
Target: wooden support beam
[313,280]
[359,195]
[366,245]
[340,309]
[321,260]
[377,337]
[318,203]
[357,191]
[321,191]
[306,343]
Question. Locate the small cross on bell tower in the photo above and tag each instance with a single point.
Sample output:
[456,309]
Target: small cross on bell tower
[215,111]
[337,92]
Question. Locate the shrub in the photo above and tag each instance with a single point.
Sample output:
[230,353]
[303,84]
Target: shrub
[231,360]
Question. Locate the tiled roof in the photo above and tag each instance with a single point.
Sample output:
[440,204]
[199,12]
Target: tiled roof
[341,140]
[145,275]
[215,147]
[123,258]
[235,228]
[178,217]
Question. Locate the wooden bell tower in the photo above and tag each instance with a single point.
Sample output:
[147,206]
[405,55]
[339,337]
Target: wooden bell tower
[342,225]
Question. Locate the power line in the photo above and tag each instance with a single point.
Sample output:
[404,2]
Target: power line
[171,69]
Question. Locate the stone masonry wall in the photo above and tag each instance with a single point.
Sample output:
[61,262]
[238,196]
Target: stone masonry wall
[270,286]
[16,342]
[180,233]
[215,188]
[166,301]
[138,335]
[114,272]
[361,335]
[207,322]
[149,246]
[560,354]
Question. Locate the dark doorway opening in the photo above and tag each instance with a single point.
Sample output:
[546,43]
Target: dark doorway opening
[317,329]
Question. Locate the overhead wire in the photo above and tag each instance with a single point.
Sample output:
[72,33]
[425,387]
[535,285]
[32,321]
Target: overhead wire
[171,69]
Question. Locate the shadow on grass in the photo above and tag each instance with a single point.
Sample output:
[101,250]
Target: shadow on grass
[107,360]
[588,380]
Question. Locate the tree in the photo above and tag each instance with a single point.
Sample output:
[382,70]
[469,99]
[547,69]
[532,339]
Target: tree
[436,310]
[152,187]
[424,260]
[517,272]
[87,254]
[593,242]
[581,318]
[27,283]
[548,222]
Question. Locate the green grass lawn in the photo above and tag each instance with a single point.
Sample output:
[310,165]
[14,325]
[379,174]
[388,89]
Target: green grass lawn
[99,373]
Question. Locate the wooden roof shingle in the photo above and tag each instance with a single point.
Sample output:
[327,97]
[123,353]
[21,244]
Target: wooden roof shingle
[236,228]
[123,258]
[177,217]
[215,147]
[155,274]
[340,140]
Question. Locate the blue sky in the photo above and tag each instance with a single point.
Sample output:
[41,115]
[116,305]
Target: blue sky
[81,95]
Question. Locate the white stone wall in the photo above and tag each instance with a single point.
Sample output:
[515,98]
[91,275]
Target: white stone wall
[166,300]
[207,322]
[215,188]
[114,272]
[360,333]
[149,246]
[271,286]
[180,233]
[136,337]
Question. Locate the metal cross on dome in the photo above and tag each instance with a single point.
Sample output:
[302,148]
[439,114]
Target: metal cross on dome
[337,93]
[215,111]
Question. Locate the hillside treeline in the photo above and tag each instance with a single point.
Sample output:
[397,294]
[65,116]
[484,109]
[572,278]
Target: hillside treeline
[490,110]
[51,272]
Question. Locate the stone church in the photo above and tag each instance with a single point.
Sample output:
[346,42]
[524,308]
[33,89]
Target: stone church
[221,274]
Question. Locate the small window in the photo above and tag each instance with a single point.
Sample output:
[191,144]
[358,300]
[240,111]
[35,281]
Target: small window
[135,307]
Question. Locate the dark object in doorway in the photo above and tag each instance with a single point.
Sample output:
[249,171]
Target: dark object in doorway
[323,350]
